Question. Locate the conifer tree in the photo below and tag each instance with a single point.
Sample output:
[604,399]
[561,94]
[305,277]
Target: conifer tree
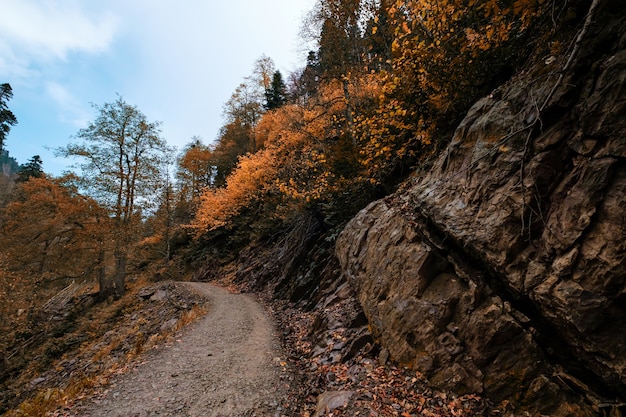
[276,94]
[31,169]
[7,118]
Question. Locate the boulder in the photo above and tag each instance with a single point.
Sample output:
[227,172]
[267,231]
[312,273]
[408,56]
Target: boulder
[501,270]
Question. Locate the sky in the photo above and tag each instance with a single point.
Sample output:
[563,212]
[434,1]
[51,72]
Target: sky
[178,61]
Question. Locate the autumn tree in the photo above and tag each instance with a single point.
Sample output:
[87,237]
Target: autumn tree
[387,80]
[160,225]
[301,167]
[121,154]
[7,118]
[234,140]
[242,112]
[444,55]
[196,169]
[245,105]
[52,233]
[52,237]
[249,182]
[262,72]
[342,50]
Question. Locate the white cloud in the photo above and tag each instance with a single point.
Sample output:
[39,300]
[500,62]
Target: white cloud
[11,65]
[60,94]
[178,61]
[40,30]
[70,109]
[193,54]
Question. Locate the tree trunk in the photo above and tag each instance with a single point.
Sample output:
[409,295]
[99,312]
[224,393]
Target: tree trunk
[119,278]
[349,110]
[112,285]
[105,287]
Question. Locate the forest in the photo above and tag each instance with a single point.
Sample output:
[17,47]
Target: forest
[378,98]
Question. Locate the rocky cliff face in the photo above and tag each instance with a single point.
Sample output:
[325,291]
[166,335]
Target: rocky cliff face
[502,269]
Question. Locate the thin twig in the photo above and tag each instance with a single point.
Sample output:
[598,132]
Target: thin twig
[557,84]
[579,39]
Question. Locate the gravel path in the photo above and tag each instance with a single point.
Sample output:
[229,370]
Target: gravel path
[229,363]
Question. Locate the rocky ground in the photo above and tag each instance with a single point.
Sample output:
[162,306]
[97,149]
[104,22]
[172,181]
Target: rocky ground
[343,372]
[231,362]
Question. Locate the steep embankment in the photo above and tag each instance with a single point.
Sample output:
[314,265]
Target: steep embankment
[502,269]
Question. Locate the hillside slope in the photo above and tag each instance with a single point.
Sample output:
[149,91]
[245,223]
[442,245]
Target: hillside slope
[501,270]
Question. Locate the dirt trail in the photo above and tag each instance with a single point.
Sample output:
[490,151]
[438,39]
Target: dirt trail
[229,363]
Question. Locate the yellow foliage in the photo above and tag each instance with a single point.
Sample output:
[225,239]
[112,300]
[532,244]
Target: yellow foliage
[151,240]
[195,170]
[438,65]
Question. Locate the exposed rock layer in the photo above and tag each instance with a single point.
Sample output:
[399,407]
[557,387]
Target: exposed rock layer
[502,269]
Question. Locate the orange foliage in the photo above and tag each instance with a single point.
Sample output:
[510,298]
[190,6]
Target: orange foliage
[293,168]
[250,180]
[53,232]
[361,126]
[195,170]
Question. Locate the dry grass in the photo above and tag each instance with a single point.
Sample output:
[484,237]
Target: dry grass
[190,316]
[119,332]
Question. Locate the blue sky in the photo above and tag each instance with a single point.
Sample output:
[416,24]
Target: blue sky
[178,61]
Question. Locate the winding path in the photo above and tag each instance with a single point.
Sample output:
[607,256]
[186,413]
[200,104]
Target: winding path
[226,364]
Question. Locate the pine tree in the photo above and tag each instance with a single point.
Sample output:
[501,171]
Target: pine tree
[276,94]
[7,118]
[31,169]
[341,46]
[309,79]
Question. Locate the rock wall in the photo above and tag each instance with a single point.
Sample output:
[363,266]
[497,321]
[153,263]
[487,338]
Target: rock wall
[502,269]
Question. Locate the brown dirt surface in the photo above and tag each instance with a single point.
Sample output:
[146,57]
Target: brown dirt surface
[228,363]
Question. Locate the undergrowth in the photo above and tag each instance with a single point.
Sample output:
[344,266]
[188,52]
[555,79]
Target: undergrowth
[114,334]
